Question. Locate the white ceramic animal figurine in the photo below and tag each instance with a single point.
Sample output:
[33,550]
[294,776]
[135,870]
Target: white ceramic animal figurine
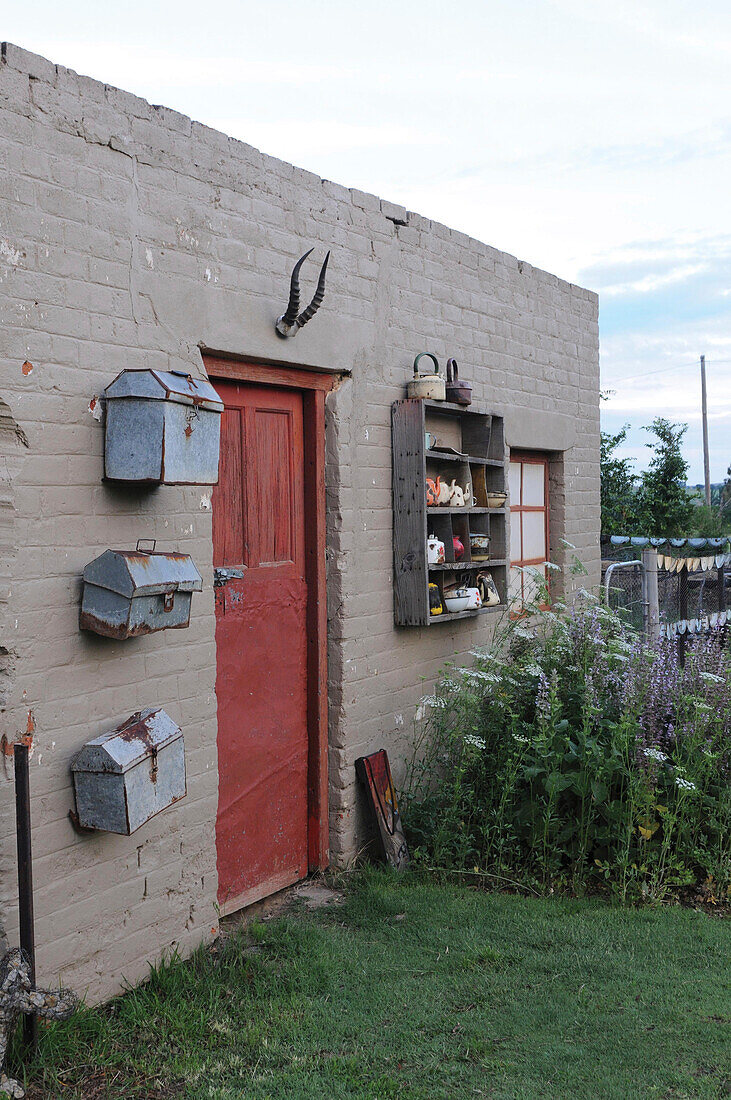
[458,497]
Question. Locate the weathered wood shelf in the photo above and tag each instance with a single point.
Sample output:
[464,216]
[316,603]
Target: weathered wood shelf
[442,510]
[479,437]
[442,456]
[449,615]
[461,566]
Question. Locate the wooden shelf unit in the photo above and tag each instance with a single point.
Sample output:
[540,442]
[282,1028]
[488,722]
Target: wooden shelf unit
[480,436]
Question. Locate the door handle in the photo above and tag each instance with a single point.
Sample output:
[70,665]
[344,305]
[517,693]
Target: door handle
[223,576]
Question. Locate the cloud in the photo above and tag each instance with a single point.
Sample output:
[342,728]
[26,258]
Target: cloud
[662,304]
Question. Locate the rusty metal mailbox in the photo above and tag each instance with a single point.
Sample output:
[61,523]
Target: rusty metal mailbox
[125,777]
[131,592]
[161,426]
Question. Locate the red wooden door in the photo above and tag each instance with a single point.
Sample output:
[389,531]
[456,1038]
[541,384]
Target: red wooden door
[261,644]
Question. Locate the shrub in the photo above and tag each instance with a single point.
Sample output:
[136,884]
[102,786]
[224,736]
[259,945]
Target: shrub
[573,754]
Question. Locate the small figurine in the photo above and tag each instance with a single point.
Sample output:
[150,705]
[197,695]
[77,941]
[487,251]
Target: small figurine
[435,600]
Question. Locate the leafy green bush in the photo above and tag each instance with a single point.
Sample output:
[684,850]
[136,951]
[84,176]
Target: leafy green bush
[572,754]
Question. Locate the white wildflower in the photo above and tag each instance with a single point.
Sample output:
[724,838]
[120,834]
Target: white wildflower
[566,544]
[532,669]
[477,742]
[586,595]
[525,632]
[655,754]
[711,678]
[684,784]
[521,740]
[433,701]
[478,674]
[552,566]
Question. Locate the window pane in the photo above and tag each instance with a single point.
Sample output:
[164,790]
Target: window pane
[534,535]
[514,483]
[514,588]
[515,554]
[534,578]
[534,484]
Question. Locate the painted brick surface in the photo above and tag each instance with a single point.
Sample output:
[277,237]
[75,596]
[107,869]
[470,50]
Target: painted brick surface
[133,237]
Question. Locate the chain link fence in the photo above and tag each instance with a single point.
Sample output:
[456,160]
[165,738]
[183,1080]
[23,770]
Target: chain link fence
[706,590]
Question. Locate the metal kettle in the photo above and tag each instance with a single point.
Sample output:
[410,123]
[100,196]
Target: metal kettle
[459,392]
[430,386]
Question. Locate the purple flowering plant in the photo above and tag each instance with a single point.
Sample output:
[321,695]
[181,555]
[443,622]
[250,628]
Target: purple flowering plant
[574,754]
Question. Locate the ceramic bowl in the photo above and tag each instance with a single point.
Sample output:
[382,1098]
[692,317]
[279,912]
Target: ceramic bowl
[456,603]
[496,500]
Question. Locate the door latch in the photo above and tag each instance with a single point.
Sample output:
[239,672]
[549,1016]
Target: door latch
[223,576]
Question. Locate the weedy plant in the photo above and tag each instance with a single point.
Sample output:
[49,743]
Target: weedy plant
[573,754]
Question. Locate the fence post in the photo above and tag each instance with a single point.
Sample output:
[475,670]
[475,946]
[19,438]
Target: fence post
[650,597]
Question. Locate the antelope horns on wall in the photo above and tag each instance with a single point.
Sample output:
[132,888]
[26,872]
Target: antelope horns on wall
[291,320]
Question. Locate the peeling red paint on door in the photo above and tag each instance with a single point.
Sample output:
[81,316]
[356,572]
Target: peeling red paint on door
[261,643]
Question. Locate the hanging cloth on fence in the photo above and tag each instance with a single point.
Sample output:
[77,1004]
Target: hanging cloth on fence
[695,626]
[693,565]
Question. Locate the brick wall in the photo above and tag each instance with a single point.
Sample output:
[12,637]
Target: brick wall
[131,236]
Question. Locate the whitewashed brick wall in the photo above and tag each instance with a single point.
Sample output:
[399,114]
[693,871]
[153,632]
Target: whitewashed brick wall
[131,236]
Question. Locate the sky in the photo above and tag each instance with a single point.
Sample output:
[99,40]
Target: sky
[588,137]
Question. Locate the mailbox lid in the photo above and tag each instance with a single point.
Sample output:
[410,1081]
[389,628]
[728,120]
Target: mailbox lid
[143,572]
[140,737]
[160,385]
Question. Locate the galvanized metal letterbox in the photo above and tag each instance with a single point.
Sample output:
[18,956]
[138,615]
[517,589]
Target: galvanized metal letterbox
[125,777]
[132,592]
[161,426]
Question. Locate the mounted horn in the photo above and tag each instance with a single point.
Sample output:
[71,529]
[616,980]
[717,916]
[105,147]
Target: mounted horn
[290,323]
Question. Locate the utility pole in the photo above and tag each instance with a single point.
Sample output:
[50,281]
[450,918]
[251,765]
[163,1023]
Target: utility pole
[704,410]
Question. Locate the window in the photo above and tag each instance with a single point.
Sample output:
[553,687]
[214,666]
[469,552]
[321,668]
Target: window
[529,543]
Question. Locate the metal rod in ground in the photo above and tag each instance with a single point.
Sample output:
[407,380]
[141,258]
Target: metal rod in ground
[25,876]
[683,614]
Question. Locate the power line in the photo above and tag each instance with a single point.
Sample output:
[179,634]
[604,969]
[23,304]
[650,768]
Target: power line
[665,370]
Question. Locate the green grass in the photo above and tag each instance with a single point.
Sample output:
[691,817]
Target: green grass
[418,990]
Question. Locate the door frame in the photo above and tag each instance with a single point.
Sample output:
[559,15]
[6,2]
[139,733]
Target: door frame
[313,386]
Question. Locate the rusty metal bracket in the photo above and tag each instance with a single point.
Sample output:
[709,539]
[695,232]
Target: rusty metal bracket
[78,827]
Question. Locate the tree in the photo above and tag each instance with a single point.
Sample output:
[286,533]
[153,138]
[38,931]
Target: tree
[725,503]
[620,502]
[665,507]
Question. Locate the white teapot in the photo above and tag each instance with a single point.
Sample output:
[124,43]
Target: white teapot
[459,497]
[434,551]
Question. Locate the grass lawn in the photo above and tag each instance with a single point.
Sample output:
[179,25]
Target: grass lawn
[417,990]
